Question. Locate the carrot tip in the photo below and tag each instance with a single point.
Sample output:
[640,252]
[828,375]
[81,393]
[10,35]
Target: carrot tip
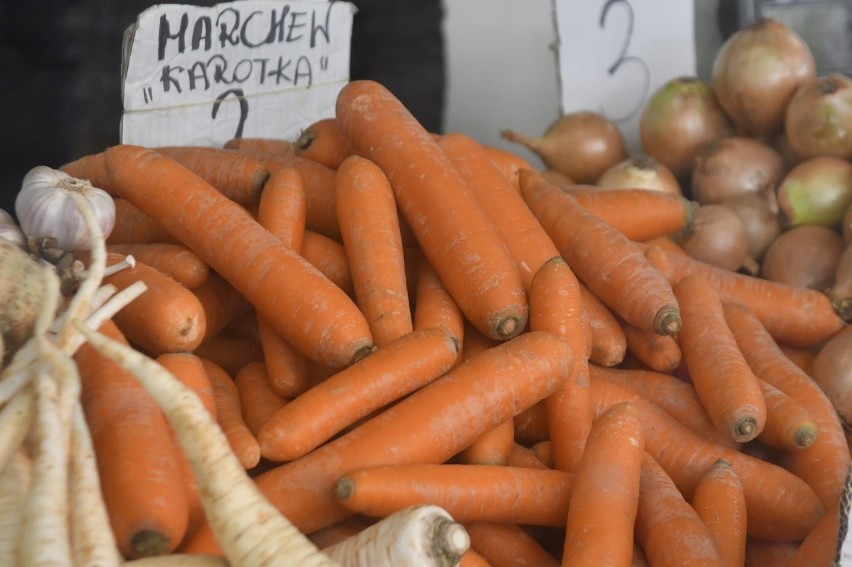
[343,488]
[805,436]
[148,543]
[508,327]
[667,321]
[362,353]
[745,429]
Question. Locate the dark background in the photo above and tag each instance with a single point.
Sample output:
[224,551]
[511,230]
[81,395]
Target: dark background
[60,61]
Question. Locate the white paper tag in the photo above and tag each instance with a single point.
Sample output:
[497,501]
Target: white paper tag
[614,54]
[194,75]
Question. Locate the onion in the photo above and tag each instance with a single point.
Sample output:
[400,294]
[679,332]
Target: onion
[716,236]
[832,370]
[640,171]
[679,118]
[804,256]
[581,144]
[817,191]
[756,72]
[840,292]
[847,225]
[759,213]
[733,165]
[818,121]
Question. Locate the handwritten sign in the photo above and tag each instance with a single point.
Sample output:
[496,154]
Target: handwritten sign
[614,54]
[196,75]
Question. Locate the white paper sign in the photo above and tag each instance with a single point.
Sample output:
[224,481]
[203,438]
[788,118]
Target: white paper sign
[614,54]
[195,75]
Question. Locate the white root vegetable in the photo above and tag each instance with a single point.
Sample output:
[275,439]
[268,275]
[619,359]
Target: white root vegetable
[15,420]
[179,560]
[14,486]
[249,529]
[416,536]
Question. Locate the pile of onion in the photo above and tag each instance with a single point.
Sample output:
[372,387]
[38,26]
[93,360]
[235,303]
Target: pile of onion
[840,291]
[678,120]
[582,145]
[817,191]
[832,370]
[759,213]
[818,121]
[756,73]
[734,165]
[716,235]
[640,171]
[804,256]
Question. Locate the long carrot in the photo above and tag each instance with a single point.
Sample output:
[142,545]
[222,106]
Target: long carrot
[639,214]
[608,343]
[492,493]
[339,401]
[422,428]
[433,305]
[769,553]
[226,398]
[91,167]
[658,352]
[527,241]
[132,226]
[282,208]
[369,226]
[137,460]
[176,261]
[231,353]
[493,447]
[607,478]
[323,142]
[221,303]
[780,505]
[788,424]
[257,400]
[524,458]
[450,225]
[287,367]
[508,162]
[504,545]
[821,546]
[792,315]
[329,257]
[262,145]
[302,304]
[531,425]
[723,380]
[669,530]
[720,503]
[610,264]
[825,463]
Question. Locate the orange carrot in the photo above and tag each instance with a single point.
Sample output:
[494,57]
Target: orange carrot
[339,532]
[450,225]
[167,317]
[244,326]
[132,226]
[527,241]
[544,452]
[639,214]
[667,244]
[788,423]
[287,367]
[610,264]
[607,478]
[323,142]
[369,384]
[473,559]
[369,226]
[221,303]
[91,167]
[226,398]
[608,341]
[237,176]
[556,307]
[470,493]
[433,305]
[329,257]
[720,503]
[281,285]
[821,546]
[780,505]
[801,357]
[769,553]
[723,380]
[508,162]
[263,145]
[669,530]
[282,208]
[138,464]
[505,545]
[493,447]
[658,352]
[520,456]
[531,425]
[792,315]
[231,353]
[825,463]
[175,260]
[257,400]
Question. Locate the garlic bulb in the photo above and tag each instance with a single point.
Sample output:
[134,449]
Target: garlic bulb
[10,230]
[45,208]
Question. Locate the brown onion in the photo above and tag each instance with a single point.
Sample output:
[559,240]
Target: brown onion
[582,145]
[716,236]
[818,121]
[817,191]
[733,165]
[847,225]
[756,72]
[759,213]
[832,370]
[640,171]
[840,292]
[679,118]
[803,256]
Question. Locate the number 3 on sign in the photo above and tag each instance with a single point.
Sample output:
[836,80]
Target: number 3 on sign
[614,54]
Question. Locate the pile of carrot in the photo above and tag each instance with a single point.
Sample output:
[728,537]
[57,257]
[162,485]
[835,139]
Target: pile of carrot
[377,317]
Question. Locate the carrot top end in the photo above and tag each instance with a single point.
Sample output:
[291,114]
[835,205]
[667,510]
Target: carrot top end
[667,321]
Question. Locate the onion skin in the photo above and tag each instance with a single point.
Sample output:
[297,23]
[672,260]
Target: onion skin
[818,120]
[847,225]
[716,236]
[734,165]
[680,117]
[757,71]
[804,256]
[759,212]
[832,370]
[840,292]
[581,144]
[817,191]
[640,171]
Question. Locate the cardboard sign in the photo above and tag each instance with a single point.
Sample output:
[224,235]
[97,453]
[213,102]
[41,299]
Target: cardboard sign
[195,75]
[614,54]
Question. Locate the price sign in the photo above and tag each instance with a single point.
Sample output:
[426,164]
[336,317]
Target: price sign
[614,54]
[194,75]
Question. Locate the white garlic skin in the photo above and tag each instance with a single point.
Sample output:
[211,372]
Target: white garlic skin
[10,230]
[45,209]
